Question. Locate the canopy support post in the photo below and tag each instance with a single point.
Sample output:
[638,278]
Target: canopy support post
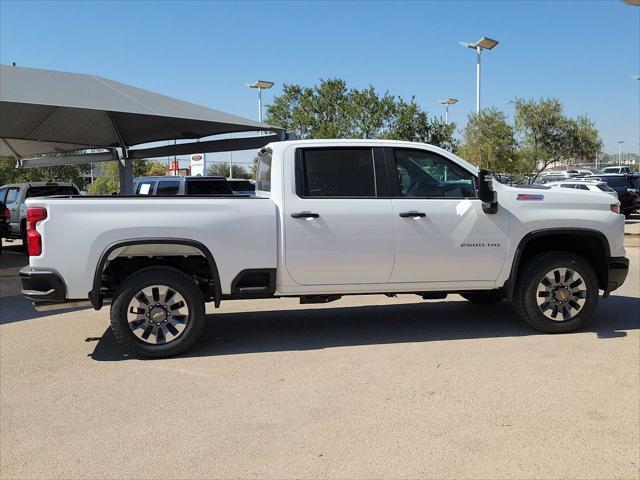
[125,172]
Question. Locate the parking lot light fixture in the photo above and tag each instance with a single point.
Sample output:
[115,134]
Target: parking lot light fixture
[446,103]
[260,85]
[485,43]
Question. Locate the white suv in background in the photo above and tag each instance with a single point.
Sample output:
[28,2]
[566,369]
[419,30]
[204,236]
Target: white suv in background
[584,184]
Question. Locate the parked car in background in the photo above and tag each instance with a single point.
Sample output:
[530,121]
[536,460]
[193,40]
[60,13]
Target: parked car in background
[242,186]
[627,187]
[4,223]
[585,184]
[547,177]
[170,186]
[619,169]
[14,196]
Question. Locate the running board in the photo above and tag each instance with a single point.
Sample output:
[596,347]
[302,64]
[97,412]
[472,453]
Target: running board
[319,298]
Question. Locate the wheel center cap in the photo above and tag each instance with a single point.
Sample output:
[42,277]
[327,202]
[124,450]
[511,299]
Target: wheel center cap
[158,314]
[562,294]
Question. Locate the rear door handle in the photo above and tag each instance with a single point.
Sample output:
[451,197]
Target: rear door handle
[305,215]
[413,214]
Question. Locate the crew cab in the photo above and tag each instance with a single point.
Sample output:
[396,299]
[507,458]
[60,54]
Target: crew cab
[330,218]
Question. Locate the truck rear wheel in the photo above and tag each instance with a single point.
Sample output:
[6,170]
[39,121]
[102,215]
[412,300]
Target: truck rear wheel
[157,312]
[557,292]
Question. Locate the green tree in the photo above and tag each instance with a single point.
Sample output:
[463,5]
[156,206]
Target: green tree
[222,169]
[9,173]
[489,141]
[331,110]
[547,136]
[108,181]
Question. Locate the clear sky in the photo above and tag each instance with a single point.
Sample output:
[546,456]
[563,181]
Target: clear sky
[583,52]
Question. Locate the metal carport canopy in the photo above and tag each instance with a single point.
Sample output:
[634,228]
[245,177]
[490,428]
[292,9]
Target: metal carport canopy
[51,112]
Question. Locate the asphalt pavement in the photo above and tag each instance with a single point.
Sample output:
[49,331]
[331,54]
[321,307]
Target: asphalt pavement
[365,387]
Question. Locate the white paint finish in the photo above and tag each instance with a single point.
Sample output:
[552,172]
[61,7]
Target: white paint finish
[351,241]
[239,232]
[433,248]
[349,250]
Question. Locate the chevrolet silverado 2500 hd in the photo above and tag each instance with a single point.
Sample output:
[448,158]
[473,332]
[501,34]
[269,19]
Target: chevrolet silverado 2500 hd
[330,218]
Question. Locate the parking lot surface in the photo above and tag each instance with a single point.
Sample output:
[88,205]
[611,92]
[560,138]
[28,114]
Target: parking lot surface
[366,387]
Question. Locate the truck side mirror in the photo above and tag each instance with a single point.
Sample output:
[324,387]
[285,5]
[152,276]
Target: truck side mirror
[486,193]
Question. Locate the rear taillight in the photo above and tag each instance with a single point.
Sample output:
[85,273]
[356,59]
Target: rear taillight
[34,240]
[615,207]
[7,214]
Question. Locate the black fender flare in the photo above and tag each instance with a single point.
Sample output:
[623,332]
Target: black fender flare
[96,298]
[509,284]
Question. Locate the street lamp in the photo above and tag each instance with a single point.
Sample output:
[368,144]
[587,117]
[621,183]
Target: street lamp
[620,142]
[446,103]
[485,43]
[260,85]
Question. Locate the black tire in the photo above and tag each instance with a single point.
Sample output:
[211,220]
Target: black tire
[484,297]
[526,292]
[175,280]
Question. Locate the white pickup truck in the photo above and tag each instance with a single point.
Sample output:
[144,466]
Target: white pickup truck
[330,218]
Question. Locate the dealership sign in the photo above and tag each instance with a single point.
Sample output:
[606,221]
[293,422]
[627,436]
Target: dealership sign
[198,165]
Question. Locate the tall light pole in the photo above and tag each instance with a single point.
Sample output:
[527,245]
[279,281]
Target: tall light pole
[446,103]
[620,142]
[260,85]
[485,43]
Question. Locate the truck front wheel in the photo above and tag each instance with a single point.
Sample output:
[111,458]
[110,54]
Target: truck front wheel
[557,292]
[157,312]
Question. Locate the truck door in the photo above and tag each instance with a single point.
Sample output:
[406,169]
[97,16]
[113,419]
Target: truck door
[337,228]
[441,231]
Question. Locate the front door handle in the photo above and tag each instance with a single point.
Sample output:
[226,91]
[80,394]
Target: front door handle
[305,215]
[413,214]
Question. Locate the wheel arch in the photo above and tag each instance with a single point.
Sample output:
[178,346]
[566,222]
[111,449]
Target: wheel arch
[96,297]
[595,250]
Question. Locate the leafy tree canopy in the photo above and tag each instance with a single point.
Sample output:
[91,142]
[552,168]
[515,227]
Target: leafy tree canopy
[332,110]
[222,169]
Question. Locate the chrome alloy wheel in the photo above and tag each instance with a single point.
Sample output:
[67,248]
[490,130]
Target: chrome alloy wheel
[157,314]
[561,294]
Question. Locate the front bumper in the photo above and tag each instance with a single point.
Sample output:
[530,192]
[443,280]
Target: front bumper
[617,270]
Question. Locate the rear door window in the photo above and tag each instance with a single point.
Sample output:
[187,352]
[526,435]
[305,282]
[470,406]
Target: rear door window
[3,194]
[168,187]
[336,172]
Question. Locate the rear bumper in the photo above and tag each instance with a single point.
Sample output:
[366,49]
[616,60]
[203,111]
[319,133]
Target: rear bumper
[42,285]
[47,290]
[617,270]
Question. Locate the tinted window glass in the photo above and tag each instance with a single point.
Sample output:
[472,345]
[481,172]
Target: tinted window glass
[3,194]
[582,187]
[263,172]
[145,188]
[606,188]
[338,172]
[635,181]
[241,186]
[567,185]
[168,187]
[49,190]
[12,195]
[207,187]
[620,182]
[427,175]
